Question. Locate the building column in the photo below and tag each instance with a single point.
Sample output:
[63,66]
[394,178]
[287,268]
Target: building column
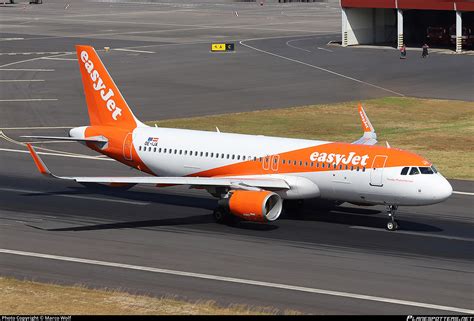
[458,31]
[344,28]
[399,28]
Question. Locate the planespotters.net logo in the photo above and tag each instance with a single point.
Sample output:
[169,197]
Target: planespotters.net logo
[439,318]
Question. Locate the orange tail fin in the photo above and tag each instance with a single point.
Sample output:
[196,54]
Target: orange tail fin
[105,103]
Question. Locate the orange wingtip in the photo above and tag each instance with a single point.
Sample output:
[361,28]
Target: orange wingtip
[38,162]
[365,122]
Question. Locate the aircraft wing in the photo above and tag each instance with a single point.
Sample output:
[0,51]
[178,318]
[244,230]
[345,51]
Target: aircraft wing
[369,137]
[233,182]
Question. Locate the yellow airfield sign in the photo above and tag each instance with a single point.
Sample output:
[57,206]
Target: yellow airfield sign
[222,47]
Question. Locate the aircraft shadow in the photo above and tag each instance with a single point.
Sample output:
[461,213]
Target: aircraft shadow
[360,217]
[310,211]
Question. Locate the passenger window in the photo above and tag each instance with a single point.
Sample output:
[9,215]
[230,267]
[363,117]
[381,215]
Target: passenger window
[139,148]
[317,164]
[243,157]
[149,149]
[301,163]
[404,170]
[363,169]
[159,150]
[283,161]
[207,154]
[322,165]
[340,166]
[180,151]
[175,151]
[154,150]
[212,154]
[311,164]
[238,157]
[195,153]
[414,171]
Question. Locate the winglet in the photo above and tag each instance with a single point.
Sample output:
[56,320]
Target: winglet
[38,161]
[366,125]
[369,137]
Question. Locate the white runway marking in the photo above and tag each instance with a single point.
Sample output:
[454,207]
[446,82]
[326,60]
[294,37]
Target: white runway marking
[53,58]
[39,70]
[57,154]
[20,80]
[457,238]
[10,39]
[139,51]
[322,69]
[33,53]
[74,196]
[28,99]
[240,281]
[23,128]
[290,41]
[320,48]
[463,193]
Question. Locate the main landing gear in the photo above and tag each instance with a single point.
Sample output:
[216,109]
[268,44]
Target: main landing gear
[392,225]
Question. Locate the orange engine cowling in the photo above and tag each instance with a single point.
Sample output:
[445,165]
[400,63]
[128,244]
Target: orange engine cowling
[257,206]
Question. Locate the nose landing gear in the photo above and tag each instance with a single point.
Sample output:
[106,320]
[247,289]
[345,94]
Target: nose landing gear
[392,224]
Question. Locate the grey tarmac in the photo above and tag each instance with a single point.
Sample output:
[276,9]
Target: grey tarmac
[345,249]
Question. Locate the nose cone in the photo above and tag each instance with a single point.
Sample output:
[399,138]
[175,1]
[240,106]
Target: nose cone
[442,190]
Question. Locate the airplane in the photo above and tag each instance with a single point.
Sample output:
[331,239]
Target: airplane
[251,175]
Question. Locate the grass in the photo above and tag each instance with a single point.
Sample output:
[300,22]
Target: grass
[27,297]
[440,130]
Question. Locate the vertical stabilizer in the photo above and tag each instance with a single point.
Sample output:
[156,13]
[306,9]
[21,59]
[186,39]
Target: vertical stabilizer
[105,103]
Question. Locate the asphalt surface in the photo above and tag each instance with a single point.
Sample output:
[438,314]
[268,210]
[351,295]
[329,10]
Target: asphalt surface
[345,250]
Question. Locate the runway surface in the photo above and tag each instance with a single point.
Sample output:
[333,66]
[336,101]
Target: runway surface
[346,250]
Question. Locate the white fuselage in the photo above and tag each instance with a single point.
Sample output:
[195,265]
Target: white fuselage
[178,152]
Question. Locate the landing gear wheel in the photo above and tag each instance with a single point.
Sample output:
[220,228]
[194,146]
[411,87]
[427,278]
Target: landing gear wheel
[392,225]
[219,215]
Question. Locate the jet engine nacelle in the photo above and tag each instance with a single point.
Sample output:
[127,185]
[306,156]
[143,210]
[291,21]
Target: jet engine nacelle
[257,206]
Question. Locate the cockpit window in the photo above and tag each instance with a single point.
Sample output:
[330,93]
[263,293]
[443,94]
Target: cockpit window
[433,168]
[426,170]
[405,170]
[414,171]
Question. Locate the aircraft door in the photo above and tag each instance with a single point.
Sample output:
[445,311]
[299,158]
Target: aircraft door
[275,160]
[266,163]
[376,171]
[127,147]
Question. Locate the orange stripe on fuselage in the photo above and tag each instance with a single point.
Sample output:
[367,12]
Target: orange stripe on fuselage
[332,155]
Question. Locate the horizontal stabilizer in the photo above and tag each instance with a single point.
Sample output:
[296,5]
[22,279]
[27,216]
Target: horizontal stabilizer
[96,139]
